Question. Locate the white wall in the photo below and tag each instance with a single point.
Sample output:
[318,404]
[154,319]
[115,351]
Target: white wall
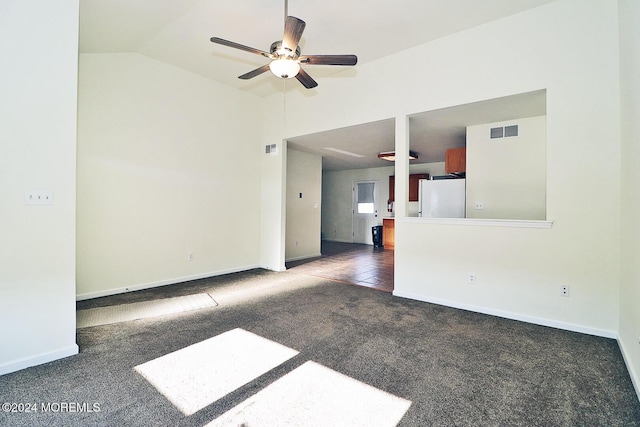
[168,164]
[304,176]
[38,46]
[337,199]
[519,270]
[508,176]
[337,203]
[629,334]
[273,189]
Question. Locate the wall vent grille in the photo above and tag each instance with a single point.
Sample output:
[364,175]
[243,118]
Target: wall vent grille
[511,131]
[505,131]
[271,149]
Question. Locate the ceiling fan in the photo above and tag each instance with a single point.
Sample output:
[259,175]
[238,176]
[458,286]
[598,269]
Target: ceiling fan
[285,55]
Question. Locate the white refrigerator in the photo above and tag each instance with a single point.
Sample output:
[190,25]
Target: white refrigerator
[441,198]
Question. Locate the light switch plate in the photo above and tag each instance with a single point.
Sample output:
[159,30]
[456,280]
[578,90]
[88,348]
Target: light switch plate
[38,197]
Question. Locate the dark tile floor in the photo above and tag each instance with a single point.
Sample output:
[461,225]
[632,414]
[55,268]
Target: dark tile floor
[352,263]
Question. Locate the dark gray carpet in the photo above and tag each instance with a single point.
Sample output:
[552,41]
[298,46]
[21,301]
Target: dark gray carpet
[456,367]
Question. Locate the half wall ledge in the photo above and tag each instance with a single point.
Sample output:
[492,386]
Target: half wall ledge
[519,223]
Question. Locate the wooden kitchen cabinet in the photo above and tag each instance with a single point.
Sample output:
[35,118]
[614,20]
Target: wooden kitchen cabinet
[413,186]
[456,160]
[388,233]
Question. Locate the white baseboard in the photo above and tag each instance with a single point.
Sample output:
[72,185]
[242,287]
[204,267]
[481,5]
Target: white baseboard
[510,315]
[298,258]
[338,240]
[635,379]
[277,270]
[39,359]
[115,291]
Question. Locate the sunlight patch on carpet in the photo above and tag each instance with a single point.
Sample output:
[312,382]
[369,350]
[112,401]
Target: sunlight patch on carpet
[314,395]
[198,375]
[142,310]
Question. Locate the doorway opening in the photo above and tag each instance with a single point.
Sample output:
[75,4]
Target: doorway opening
[365,212]
[351,263]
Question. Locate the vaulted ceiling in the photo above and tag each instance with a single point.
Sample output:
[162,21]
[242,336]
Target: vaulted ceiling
[177,32]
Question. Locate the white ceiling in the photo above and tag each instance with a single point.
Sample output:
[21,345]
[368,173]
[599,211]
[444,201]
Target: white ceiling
[177,32]
[431,133]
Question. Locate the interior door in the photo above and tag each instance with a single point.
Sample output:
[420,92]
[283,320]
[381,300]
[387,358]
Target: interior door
[365,210]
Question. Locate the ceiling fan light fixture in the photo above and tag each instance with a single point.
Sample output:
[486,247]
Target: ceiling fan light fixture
[284,68]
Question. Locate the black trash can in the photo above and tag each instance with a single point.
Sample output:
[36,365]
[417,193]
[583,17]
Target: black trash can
[376,236]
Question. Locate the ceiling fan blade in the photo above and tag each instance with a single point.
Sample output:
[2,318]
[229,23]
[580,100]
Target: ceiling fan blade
[254,73]
[293,28]
[240,46]
[306,80]
[329,59]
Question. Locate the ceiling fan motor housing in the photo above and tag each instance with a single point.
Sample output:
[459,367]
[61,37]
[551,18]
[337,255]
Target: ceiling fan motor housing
[283,52]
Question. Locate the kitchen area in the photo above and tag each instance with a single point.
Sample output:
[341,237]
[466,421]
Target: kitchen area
[493,152]
[431,196]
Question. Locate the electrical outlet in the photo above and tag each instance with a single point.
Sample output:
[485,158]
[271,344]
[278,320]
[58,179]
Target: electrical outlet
[191,256]
[479,206]
[471,278]
[564,291]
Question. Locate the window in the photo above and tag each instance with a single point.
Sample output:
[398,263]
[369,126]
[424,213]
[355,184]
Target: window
[365,201]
